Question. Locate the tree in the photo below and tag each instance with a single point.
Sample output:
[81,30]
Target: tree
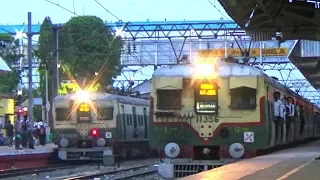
[86,46]
[44,54]
[10,54]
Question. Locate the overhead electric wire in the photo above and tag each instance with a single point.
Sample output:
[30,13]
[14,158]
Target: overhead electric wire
[57,4]
[107,10]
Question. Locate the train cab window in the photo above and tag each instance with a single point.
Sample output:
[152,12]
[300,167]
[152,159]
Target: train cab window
[169,99]
[106,113]
[243,98]
[62,114]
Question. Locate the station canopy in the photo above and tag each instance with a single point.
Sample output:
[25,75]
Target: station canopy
[262,19]
[284,20]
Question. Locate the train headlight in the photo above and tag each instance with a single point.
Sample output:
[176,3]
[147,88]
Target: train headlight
[64,143]
[206,151]
[82,96]
[172,150]
[101,142]
[204,70]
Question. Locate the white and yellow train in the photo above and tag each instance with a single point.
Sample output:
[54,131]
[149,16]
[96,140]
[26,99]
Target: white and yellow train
[100,126]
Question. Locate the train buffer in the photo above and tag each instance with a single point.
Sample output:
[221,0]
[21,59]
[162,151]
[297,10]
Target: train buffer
[297,163]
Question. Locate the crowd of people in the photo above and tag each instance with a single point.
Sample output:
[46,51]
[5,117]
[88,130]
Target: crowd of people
[286,111]
[24,133]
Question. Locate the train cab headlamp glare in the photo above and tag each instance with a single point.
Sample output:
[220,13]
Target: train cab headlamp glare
[204,70]
[82,96]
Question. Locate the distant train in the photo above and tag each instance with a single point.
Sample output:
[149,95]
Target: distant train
[208,114]
[100,126]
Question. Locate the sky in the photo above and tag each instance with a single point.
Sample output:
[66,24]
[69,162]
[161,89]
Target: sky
[126,10]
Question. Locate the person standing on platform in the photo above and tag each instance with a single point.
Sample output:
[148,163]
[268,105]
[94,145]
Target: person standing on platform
[24,132]
[18,130]
[42,132]
[29,134]
[9,129]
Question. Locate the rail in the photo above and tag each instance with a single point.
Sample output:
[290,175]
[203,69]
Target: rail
[96,175]
[34,170]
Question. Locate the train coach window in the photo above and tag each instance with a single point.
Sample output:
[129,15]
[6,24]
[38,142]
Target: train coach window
[243,98]
[106,113]
[62,114]
[169,99]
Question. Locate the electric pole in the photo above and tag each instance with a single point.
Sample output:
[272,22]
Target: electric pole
[30,109]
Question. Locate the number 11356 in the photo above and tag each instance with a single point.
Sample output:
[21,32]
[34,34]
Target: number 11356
[205,119]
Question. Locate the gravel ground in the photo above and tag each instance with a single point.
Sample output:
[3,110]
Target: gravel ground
[154,176]
[64,173]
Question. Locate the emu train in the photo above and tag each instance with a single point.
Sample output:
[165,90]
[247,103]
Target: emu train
[208,114]
[100,126]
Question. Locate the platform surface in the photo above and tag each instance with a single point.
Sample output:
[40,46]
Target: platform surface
[9,151]
[292,164]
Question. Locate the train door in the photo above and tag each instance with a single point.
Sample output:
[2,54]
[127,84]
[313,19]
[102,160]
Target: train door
[123,122]
[146,125]
[135,125]
[269,117]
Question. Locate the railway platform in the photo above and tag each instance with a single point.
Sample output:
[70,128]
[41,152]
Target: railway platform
[40,156]
[290,164]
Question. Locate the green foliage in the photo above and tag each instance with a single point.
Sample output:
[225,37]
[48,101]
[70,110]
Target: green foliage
[44,54]
[9,81]
[10,54]
[86,46]
[45,43]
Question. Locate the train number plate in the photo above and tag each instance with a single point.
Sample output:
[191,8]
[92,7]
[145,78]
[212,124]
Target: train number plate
[205,119]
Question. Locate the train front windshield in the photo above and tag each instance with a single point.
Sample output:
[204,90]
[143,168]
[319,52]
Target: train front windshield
[83,112]
[206,98]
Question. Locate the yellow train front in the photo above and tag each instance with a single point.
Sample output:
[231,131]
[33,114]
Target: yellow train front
[207,115]
[100,126]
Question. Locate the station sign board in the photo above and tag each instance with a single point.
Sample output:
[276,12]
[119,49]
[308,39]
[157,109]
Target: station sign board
[236,52]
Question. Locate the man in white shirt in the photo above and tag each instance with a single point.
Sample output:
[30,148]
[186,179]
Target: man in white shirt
[278,116]
[290,111]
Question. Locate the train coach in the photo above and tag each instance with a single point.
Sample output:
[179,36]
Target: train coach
[100,126]
[208,114]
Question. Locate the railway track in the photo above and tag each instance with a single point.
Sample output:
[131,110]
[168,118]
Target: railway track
[136,171]
[36,170]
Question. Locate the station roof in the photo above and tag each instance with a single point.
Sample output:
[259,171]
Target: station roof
[295,19]
[306,58]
